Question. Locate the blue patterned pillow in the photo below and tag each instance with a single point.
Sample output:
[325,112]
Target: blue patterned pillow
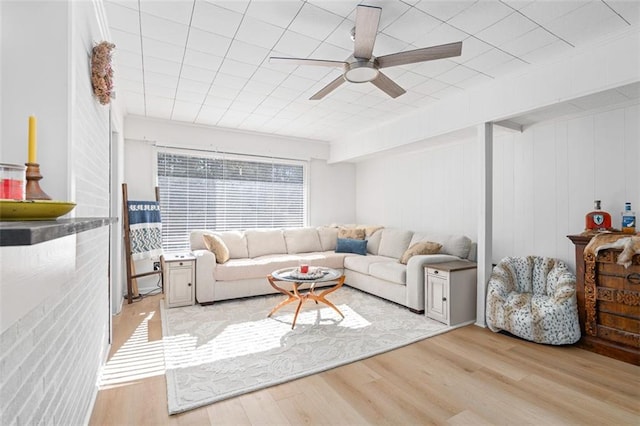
[350,245]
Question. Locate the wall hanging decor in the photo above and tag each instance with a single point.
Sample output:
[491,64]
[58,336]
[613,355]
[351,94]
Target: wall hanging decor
[102,73]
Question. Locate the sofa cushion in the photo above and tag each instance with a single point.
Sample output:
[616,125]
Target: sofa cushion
[248,268]
[328,237]
[362,263]
[423,247]
[389,271]
[373,242]
[265,241]
[216,246]
[302,240]
[370,229]
[236,242]
[457,245]
[394,242]
[349,245]
[353,233]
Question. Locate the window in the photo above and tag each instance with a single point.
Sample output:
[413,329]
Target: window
[222,193]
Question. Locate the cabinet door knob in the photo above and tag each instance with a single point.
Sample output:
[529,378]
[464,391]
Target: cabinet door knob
[444,299]
[180,263]
[435,272]
[189,284]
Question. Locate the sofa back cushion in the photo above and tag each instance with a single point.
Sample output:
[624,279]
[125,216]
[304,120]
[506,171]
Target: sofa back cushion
[373,242]
[394,242]
[265,241]
[234,240]
[457,245]
[302,240]
[328,237]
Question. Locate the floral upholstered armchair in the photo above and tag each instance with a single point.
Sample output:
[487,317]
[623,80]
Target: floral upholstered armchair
[534,298]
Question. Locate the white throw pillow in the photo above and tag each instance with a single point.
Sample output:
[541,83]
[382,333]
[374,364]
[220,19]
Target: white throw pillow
[265,241]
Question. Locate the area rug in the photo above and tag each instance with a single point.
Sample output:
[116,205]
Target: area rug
[230,348]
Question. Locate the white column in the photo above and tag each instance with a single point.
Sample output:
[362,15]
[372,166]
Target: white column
[485,216]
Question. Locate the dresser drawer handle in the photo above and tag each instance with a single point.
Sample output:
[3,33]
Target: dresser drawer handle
[634,278]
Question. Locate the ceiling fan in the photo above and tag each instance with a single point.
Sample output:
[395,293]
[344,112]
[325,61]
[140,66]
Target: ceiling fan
[362,66]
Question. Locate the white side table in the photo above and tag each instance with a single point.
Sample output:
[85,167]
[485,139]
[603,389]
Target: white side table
[178,279]
[450,296]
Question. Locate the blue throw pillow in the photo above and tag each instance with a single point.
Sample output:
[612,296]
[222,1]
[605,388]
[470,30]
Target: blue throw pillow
[349,245]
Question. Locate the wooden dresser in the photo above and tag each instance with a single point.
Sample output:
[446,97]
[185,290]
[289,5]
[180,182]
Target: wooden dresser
[608,302]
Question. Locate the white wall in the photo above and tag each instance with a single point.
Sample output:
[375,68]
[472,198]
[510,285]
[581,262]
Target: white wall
[545,181]
[331,186]
[54,303]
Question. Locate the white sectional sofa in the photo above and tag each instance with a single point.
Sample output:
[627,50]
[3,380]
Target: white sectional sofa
[254,254]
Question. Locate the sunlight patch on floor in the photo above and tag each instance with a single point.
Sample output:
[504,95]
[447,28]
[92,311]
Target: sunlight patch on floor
[138,358]
[252,337]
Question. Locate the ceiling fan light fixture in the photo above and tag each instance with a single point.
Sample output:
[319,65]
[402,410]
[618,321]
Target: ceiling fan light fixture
[360,72]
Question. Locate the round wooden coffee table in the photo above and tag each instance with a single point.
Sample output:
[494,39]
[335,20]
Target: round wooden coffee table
[315,275]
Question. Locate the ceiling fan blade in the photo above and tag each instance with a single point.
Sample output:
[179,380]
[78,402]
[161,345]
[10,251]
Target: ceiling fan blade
[420,55]
[328,89]
[388,86]
[303,61]
[367,20]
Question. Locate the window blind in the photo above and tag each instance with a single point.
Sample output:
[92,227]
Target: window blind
[199,192]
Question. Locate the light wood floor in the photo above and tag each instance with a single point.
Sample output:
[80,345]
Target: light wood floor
[467,376]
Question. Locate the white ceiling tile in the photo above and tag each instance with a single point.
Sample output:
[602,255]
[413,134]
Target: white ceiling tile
[474,81]
[259,33]
[197,74]
[286,93]
[579,25]
[172,10]
[266,75]
[223,92]
[249,99]
[434,68]
[528,42]
[296,45]
[236,68]
[471,47]
[159,49]
[317,73]
[547,53]
[457,74]
[315,22]
[442,34]
[200,87]
[202,60]
[446,92]
[331,52]
[386,45]
[545,11]
[206,42]
[123,58]
[229,81]
[630,10]
[430,86]
[280,13]
[341,36]
[277,103]
[163,30]
[488,60]
[409,79]
[342,8]
[480,16]
[444,10]
[134,102]
[217,102]
[247,53]
[211,18]
[411,26]
[158,106]
[391,11]
[123,18]
[259,88]
[189,96]
[508,67]
[125,41]
[210,115]
[518,4]
[160,80]
[185,111]
[161,66]
[511,27]
[239,6]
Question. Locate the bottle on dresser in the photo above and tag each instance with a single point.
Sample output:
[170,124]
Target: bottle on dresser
[597,219]
[628,219]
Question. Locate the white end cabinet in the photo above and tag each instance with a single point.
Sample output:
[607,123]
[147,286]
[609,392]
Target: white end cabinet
[178,279]
[450,294]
